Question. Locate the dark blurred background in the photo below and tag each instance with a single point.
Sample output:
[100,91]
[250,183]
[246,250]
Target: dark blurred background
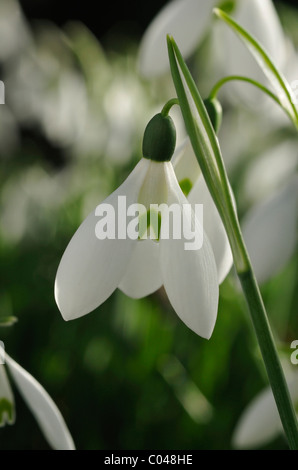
[101,18]
[133,16]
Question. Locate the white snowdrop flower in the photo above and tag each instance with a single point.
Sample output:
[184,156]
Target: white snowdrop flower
[270,230]
[11,21]
[91,269]
[38,400]
[260,422]
[188,21]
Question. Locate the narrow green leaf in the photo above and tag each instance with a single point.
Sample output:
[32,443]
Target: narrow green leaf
[206,148]
[278,82]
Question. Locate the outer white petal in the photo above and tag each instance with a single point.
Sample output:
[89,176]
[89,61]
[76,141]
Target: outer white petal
[43,408]
[269,171]
[260,18]
[143,276]
[270,231]
[260,422]
[91,269]
[190,277]
[214,228]
[7,408]
[186,21]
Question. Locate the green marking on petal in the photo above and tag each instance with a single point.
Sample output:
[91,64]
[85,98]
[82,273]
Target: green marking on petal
[8,321]
[186,186]
[6,412]
[150,225]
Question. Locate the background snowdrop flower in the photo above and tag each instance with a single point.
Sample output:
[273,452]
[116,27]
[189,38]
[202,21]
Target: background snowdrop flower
[260,19]
[38,400]
[270,230]
[12,20]
[260,422]
[188,21]
[91,269]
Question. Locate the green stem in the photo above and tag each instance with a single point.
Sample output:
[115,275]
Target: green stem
[166,109]
[207,151]
[240,78]
[270,356]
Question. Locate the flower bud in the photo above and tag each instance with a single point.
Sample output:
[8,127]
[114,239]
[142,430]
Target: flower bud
[214,110]
[159,139]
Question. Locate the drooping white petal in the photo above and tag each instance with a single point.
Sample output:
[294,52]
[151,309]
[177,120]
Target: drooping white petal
[260,19]
[43,408]
[189,276]
[91,269]
[143,275]
[186,21]
[7,407]
[270,231]
[269,171]
[187,168]
[214,228]
[260,421]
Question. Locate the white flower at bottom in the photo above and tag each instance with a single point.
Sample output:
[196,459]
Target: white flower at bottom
[38,400]
[91,269]
[260,422]
[270,230]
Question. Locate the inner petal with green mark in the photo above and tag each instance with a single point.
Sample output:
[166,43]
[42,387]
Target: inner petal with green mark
[150,225]
[186,167]
[6,412]
[153,192]
[7,409]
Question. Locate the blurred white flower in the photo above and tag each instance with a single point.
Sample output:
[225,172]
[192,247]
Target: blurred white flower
[260,422]
[38,400]
[14,33]
[269,170]
[45,89]
[270,230]
[125,111]
[188,21]
[29,198]
[91,269]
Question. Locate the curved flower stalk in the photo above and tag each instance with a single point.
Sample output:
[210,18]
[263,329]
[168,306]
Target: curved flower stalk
[189,20]
[259,422]
[270,230]
[91,269]
[40,403]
